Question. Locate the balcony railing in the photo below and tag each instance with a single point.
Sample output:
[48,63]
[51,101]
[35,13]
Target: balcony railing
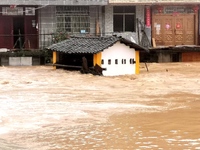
[32,41]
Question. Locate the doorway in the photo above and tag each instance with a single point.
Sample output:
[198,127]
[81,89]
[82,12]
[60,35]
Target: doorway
[175,57]
[18,32]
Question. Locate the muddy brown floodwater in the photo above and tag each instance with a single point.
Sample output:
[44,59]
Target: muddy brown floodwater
[46,109]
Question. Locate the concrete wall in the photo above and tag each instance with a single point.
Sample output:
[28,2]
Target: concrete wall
[4,61]
[20,61]
[36,61]
[47,25]
[128,35]
[108,26]
[95,16]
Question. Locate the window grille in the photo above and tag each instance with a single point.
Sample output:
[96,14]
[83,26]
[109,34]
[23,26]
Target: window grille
[73,19]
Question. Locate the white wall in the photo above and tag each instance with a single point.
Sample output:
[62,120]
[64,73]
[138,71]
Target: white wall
[118,51]
[20,61]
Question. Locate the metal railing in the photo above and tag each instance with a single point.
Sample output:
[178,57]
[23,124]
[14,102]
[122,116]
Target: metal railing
[43,40]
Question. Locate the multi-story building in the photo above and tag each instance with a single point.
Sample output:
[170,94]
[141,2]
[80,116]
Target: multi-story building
[31,24]
[171,25]
[36,24]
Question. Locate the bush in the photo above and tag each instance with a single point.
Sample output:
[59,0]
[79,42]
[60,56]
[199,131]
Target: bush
[59,36]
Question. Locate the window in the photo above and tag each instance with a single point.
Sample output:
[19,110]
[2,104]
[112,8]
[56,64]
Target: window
[124,18]
[73,19]
[116,61]
[132,61]
[102,61]
[109,61]
[123,61]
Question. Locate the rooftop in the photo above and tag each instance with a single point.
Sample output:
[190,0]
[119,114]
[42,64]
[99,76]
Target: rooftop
[90,45]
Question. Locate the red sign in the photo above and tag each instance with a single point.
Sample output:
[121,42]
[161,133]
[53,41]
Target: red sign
[178,25]
[12,6]
[167,26]
[148,16]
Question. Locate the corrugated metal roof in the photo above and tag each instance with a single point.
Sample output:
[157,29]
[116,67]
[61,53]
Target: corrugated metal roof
[90,45]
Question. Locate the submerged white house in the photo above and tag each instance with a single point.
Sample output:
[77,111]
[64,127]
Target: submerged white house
[117,55]
[119,59]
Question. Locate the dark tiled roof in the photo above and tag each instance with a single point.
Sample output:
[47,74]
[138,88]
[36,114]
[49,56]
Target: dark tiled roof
[92,45]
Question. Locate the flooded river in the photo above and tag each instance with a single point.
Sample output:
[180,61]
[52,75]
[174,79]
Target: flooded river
[46,109]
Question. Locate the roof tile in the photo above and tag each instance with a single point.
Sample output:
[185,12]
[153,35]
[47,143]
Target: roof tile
[90,44]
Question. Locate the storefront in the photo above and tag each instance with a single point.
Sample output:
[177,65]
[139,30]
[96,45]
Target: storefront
[18,27]
[175,25]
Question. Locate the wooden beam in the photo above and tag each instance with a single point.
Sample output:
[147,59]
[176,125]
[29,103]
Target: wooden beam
[97,59]
[67,66]
[72,66]
[97,28]
[137,59]
[54,58]
[153,42]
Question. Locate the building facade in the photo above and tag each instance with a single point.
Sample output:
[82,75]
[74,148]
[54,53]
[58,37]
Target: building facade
[170,22]
[172,26]
[37,24]
[97,20]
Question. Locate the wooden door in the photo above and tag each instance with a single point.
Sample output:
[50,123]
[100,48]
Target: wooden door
[31,34]
[156,30]
[191,57]
[167,30]
[179,29]
[18,32]
[6,35]
[189,29]
[171,30]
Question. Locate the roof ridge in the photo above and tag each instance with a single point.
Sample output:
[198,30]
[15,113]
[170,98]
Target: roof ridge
[92,37]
